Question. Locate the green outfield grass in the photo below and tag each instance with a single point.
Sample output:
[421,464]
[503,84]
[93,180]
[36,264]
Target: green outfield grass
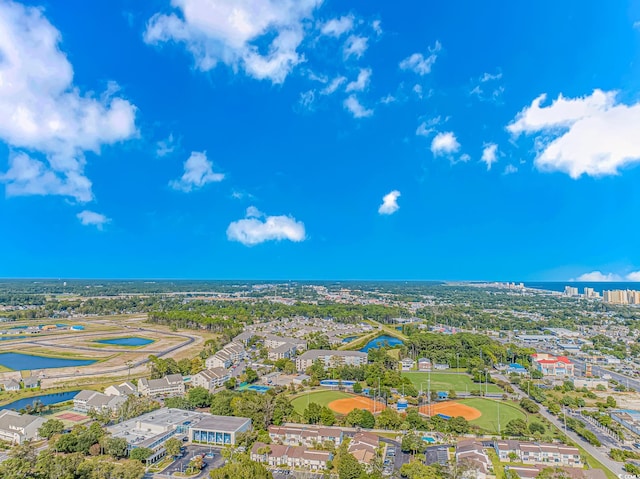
[322,398]
[489,410]
[448,381]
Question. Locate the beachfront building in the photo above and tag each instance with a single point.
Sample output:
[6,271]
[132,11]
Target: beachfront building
[171,385]
[330,358]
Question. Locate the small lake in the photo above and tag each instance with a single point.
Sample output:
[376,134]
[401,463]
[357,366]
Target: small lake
[45,399]
[9,338]
[349,339]
[131,341]
[380,341]
[19,362]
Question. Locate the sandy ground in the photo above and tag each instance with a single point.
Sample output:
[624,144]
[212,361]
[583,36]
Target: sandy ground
[453,409]
[346,405]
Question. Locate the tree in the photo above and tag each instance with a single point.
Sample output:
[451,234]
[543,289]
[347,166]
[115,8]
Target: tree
[50,428]
[140,454]
[178,402]
[389,419]
[418,470]
[357,387]
[252,376]
[516,427]
[199,397]
[327,418]
[221,403]
[458,425]
[173,446]
[610,402]
[536,427]
[349,467]
[412,443]
[115,446]
[312,413]
[244,468]
[529,406]
[230,383]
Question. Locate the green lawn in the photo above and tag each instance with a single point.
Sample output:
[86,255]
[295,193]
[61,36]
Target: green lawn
[489,410]
[319,397]
[448,381]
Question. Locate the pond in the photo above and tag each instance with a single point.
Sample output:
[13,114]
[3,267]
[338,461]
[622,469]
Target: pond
[9,338]
[380,341]
[349,339]
[45,399]
[130,341]
[19,362]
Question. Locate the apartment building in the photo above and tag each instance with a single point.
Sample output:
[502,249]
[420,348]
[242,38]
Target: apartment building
[17,428]
[556,366]
[472,454]
[305,435]
[364,447]
[407,364]
[539,453]
[125,389]
[330,358]
[171,385]
[211,378]
[88,400]
[276,455]
[232,353]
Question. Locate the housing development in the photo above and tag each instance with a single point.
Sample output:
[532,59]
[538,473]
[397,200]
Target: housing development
[307,380]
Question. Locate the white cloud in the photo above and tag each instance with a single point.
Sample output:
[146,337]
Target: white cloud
[490,77]
[338,26]
[420,64]
[486,88]
[377,27]
[427,127]
[510,169]
[362,82]
[257,228]
[307,99]
[355,107]
[489,154]
[332,87]
[633,276]
[43,113]
[355,46]
[598,277]
[464,158]
[636,24]
[91,218]
[386,100]
[228,32]
[198,171]
[444,143]
[166,147]
[593,135]
[389,203]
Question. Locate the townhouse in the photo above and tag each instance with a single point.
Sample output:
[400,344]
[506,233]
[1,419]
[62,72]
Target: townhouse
[305,435]
[125,389]
[472,455]
[539,453]
[17,428]
[87,400]
[276,455]
[364,447]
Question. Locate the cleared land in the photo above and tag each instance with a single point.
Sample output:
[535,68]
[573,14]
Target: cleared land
[323,398]
[448,381]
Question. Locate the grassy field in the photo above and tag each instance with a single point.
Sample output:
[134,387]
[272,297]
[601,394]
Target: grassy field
[447,381]
[319,397]
[489,410]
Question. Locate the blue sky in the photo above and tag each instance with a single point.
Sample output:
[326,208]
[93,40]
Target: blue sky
[302,139]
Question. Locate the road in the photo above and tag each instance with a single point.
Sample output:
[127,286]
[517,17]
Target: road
[182,463]
[598,453]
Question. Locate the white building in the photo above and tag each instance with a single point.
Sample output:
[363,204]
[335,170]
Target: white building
[88,400]
[125,389]
[16,428]
[330,358]
[171,385]
[211,378]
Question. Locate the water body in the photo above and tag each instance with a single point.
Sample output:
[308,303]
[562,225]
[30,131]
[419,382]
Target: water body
[380,341]
[131,341]
[9,338]
[599,287]
[19,362]
[45,399]
[349,339]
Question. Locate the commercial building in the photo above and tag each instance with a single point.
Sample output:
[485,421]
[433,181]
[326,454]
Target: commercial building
[171,385]
[627,418]
[16,428]
[549,365]
[276,455]
[539,453]
[211,378]
[330,358]
[305,435]
[153,429]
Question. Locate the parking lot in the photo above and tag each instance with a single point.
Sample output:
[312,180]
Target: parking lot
[212,460]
